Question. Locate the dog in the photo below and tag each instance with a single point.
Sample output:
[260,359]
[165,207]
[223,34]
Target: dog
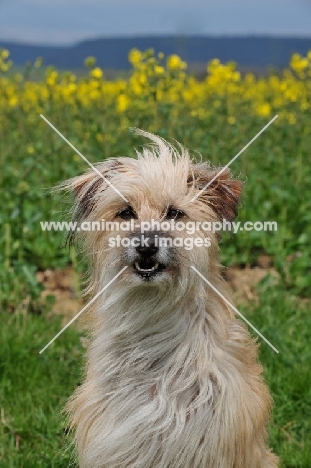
[172,377]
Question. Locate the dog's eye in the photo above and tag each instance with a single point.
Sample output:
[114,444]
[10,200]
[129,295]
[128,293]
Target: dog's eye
[128,213]
[173,213]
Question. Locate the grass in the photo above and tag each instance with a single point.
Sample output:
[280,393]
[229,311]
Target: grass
[286,322]
[33,390]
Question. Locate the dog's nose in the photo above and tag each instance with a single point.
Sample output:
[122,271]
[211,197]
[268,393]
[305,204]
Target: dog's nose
[147,249]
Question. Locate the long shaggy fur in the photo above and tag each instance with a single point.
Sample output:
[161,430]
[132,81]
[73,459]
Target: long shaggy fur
[172,376]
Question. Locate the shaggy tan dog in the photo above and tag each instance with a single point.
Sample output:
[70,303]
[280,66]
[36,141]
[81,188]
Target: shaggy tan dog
[172,376]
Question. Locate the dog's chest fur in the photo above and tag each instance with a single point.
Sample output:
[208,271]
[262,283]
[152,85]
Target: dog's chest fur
[165,388]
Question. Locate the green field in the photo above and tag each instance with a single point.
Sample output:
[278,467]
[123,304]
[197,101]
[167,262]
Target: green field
[276,169]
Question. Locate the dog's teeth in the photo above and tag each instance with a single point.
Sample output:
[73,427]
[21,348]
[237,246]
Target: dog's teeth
[138,267]
[146,269]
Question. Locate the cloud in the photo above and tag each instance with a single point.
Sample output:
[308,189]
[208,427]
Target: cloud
[59,22]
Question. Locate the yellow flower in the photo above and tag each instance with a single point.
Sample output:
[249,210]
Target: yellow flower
[30,150]
[174,62]
[263,109]
[159,95]
[159,70]
[72,87]
[298,63]
[13,100]
[156,81]
[5,66]
[4,53]
[96,73]
[51,78]
[236,76]
[122,103]
[142,79]
[135,56]
[214,62]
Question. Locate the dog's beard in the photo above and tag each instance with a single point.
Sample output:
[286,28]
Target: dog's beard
[154,266]
[166,275]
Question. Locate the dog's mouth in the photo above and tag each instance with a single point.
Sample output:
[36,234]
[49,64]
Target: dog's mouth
[147,268]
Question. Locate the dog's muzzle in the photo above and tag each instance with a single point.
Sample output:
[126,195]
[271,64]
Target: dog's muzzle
[149,259]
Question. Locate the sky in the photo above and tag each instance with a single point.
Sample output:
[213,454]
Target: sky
[70,21]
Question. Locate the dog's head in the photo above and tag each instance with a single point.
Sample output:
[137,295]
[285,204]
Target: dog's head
[152,214]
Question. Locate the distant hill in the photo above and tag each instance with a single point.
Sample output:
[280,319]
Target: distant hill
[248,51]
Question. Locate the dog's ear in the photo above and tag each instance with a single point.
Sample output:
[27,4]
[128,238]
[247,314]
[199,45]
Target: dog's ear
[216,188]
[87,186]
